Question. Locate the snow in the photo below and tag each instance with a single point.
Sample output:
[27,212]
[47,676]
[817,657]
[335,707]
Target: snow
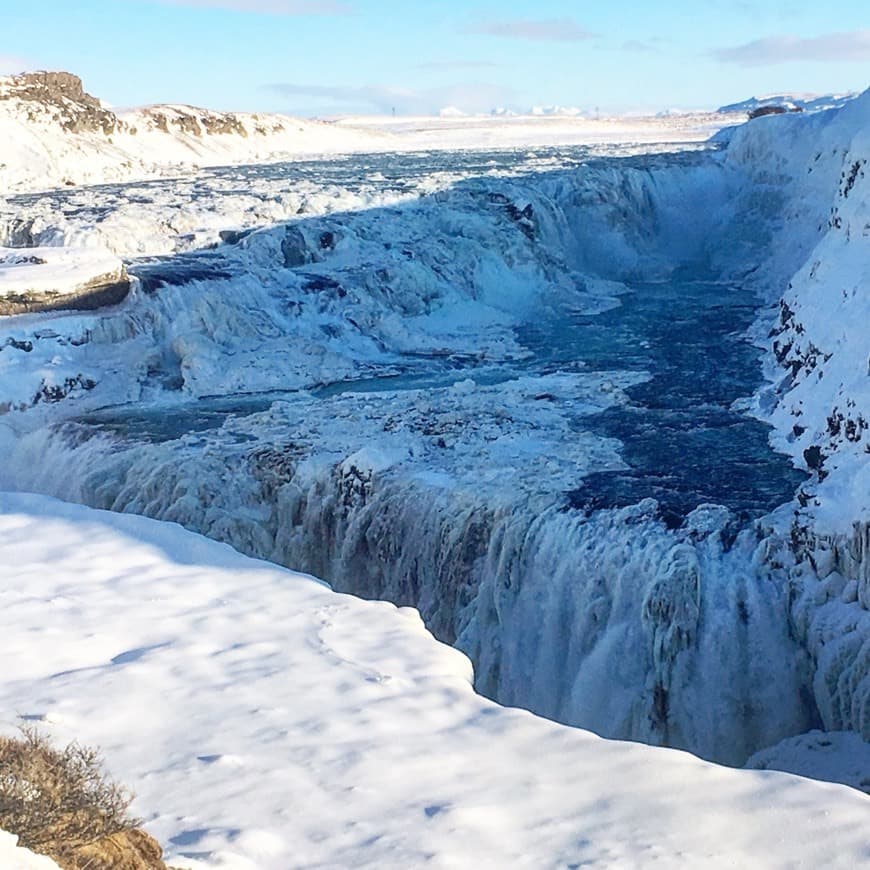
[41,152]
[821,397]
[835,756]
[50,145]
[547,126]
[56,271]
[14,857]
[799,102]
[265,721]
[328,372]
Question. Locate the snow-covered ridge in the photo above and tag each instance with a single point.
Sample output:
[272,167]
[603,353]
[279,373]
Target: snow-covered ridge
[54,133]
[820,401]
[792,102]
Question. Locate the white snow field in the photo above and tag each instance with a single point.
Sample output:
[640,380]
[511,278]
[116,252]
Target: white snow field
[268,722]
[597,411]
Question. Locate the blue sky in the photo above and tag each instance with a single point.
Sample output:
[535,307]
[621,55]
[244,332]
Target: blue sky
[348,56]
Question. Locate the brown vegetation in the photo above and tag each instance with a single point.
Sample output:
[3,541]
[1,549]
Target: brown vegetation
[60,803]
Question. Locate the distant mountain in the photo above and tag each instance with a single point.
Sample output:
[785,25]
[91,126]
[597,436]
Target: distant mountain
[790,102]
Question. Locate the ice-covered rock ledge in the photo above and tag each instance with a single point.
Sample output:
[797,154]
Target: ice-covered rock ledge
[268,722]
[52,278]
[819,401]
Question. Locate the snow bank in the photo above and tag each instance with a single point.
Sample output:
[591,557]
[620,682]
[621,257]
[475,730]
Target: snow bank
[265,721]
[14,857]
[834,756]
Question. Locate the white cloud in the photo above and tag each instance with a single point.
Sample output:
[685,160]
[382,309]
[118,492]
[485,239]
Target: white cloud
[548,30]
[382,99]
[270,7]
[847,46]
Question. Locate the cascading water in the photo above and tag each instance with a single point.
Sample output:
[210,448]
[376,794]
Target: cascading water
[544,455]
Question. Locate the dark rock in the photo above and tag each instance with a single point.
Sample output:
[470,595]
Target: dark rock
[233,237]
[51,393]
[814,457]
[75,109]
[25,346]
[295,249]
[87,298]
[761,111]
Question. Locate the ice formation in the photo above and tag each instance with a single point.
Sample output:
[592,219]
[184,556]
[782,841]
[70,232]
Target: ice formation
[267,722]
[441,475]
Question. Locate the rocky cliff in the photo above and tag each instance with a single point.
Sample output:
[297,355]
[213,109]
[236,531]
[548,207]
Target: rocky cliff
[55,133]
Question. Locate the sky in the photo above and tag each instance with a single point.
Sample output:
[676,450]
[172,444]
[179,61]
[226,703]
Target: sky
[416,57]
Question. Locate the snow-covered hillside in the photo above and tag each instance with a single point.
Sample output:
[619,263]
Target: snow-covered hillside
[56,134]
[267,722]
[820,401]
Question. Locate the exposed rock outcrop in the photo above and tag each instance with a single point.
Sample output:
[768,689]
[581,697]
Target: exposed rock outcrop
[98,293]
[63,94]
[130,850]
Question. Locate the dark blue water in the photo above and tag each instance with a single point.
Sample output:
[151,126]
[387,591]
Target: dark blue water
[682,441]
[180,269]
[684,444]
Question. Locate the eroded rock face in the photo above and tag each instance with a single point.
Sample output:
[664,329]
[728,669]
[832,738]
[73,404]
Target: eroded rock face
[64,94]
[195,122]
[107,290]
[39,85]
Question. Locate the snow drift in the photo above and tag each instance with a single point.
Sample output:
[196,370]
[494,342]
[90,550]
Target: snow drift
[268,722]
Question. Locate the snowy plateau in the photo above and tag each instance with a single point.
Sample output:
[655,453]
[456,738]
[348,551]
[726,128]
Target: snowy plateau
[581,408]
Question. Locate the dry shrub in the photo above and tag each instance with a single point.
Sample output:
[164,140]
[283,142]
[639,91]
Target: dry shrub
[58,800]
